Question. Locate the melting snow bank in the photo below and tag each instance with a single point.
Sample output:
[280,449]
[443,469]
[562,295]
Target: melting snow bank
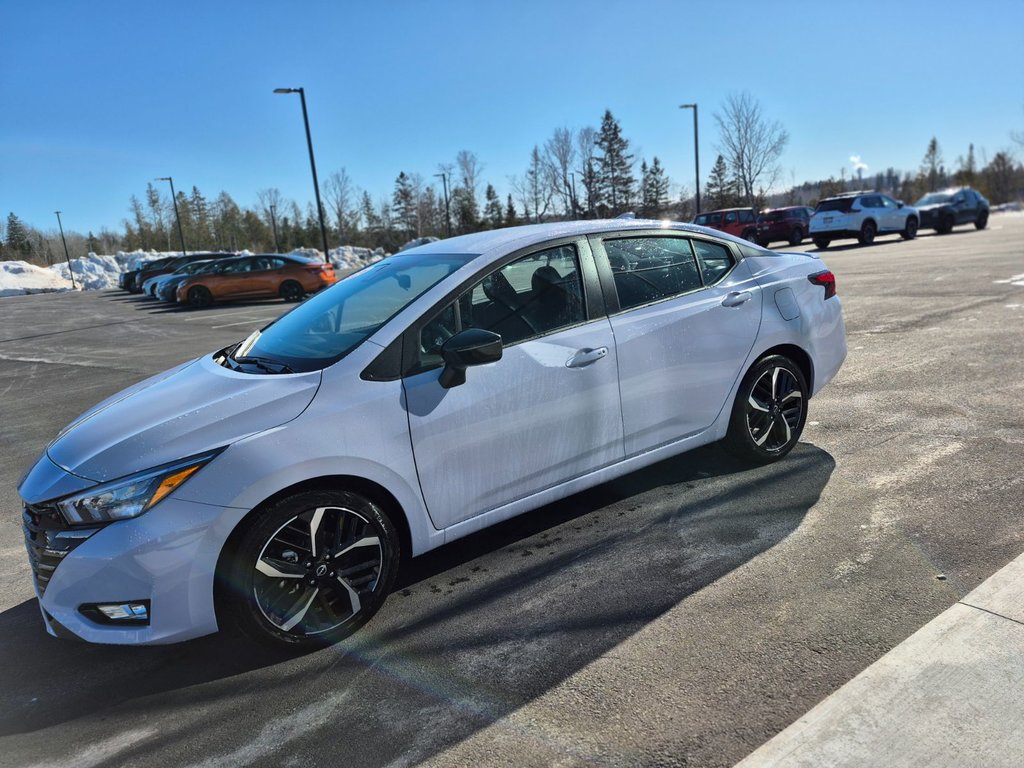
[346,256]
[93,273]
[19,277]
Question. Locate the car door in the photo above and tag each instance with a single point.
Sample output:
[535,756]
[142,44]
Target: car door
[686,316]
[962,207]
[545,413]
[890,215]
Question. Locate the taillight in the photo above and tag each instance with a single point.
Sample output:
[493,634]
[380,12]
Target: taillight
[825,279]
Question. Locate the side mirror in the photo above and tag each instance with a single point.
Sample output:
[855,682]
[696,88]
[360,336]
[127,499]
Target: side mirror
[899,203]
[473,346]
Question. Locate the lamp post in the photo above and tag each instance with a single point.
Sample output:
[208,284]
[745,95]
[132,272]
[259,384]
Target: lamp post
[312,164]
[696,151]
[177,218]
[67,256]
[273,226]
[447,213]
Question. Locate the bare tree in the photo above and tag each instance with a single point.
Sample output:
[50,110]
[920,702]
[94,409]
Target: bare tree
[341,193]
[751,145]
[470,169]
[559,156]
[586,146]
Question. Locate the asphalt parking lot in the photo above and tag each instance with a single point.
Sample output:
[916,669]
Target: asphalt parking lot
[679,616]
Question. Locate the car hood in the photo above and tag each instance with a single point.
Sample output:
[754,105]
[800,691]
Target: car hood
[187,410]
[932,207]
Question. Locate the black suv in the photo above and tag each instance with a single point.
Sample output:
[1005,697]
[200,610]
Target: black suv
[944,210]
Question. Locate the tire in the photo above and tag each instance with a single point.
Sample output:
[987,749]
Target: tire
[982,221]
[282,584]
[867,234]
[291,291]
[769,413]
[796,236]
[764,243]
[909,229]
[199,296]
[750,235]
[945,225]
[821,243]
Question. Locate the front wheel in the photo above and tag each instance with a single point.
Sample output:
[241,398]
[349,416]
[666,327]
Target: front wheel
[199,296]
[291,291]
[910,229]
[310,570]
[946,224]
[796,236]
[867,233]
[821,243]
[982,221]
[769,412]
[750,235]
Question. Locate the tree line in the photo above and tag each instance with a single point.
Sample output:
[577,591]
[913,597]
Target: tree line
[577,173]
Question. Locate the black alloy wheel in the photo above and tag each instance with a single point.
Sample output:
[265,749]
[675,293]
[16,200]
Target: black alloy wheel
[867,233]
[769,412]
[796,236]
[199,296]
[311,569]
[909,229]
[982,221]
[291,291]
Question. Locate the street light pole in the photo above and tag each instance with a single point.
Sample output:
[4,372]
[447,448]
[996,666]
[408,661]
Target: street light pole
[273,226]
[447,213]
[696,151]
[177,218]
[312,164]
[67,256]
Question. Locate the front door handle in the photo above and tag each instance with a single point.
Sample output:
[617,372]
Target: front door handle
[586,357]
[736,298]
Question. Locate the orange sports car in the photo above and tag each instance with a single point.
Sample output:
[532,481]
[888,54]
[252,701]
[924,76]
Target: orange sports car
[289,276]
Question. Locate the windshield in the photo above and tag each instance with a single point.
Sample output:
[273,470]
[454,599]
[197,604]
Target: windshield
[332,323]
[934,198]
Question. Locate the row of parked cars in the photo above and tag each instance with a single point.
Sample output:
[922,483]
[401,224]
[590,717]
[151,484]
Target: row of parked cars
[853,215]
[200,279]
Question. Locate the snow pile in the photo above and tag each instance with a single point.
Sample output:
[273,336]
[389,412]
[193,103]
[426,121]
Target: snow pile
[20,277]
[92,273]
[417,241]
[345,256]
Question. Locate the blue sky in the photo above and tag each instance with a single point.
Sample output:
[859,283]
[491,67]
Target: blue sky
[100,98]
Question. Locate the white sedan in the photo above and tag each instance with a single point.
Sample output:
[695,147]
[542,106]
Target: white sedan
[275,485]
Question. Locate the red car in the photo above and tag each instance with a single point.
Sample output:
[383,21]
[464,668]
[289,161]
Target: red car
[741,222]
[790,224]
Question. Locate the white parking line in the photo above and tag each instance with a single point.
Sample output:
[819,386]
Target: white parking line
[250,321]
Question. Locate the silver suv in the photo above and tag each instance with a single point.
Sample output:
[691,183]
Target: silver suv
[862,215]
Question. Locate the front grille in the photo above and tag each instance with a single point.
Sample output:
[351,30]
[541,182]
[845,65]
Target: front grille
[48,540]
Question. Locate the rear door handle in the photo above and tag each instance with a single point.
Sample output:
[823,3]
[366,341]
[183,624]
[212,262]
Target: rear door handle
[736,298]
[586,357]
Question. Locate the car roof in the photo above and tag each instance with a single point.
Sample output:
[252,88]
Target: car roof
[726,210]
[514,238]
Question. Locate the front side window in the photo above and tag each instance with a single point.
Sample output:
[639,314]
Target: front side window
[530,297]
[647,269]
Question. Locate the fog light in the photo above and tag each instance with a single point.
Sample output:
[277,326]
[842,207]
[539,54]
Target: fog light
[134,612]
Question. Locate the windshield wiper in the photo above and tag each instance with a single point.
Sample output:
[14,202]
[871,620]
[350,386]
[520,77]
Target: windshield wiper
[263,363]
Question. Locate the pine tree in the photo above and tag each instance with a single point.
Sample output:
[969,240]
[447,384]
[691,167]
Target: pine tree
[615,166]
[653,189]
[464,211]
[721,190]
[967,174]
[492,208]
[369,214]
[932,173]
[403,205]
[18,244]
[91,243]
[510,213]
[201,232]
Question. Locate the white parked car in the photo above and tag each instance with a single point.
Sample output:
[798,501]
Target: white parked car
[862,215]
[276,484]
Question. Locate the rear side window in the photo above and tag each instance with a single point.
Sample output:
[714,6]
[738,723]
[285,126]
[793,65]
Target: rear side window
[649,269]
[730,217]
[746,217]
[715,260]
[841,204]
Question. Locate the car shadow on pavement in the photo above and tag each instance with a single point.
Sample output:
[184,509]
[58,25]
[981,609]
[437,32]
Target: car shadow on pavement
[472,631]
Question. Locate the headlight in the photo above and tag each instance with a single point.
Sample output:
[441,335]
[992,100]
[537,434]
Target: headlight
[130,496]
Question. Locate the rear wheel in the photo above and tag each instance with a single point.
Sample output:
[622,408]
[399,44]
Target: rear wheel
[867,233]
[822,243]
[909,229]
[796,236]
[769,413]
[750,235]
[764,242]
[199,296]
[310,570]
[945,224]
[982,221]
[291,291]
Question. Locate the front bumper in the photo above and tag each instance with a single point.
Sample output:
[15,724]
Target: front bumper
[167,556]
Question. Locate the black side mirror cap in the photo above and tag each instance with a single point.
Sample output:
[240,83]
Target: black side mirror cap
[473,346]
[899,203]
